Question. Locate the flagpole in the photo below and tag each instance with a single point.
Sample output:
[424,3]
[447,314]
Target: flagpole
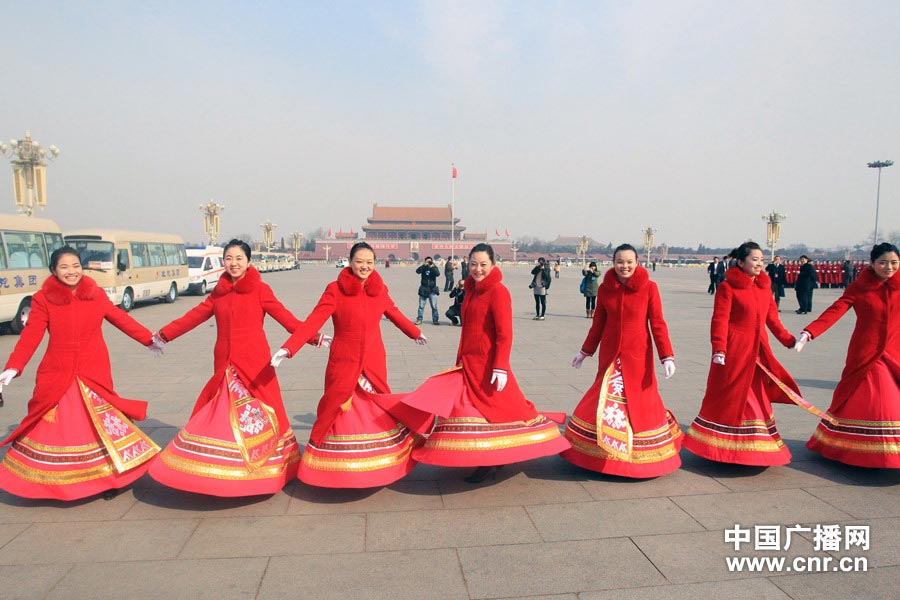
[452,206]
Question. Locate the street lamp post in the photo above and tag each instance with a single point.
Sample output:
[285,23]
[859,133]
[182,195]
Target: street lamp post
[296,238]
[582,248]
[268,234]
[649,236]
[773,230]
[29,176]
[515,250]
[878,164]
[211,212]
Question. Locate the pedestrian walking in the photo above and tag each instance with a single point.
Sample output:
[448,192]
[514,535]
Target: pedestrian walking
[540,283]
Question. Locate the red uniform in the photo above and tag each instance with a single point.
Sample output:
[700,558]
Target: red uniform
[238,441]
[77,439]
[866,401]
[479,426]
[647,441]
[356,442]
[736,423]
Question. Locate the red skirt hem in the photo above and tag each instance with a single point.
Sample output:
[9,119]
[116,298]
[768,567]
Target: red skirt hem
[354,479]
[856,459]
[489,458]
[9,482]
[221,487]
[737,457]
[623,468]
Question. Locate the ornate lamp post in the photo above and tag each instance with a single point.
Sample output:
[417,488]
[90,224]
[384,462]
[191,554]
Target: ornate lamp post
[773,230]
[649,236]
[515,250]
[211,212]
[582,249]
[878,164]
[268,234]
[296,238]
[665,253]
[29,172]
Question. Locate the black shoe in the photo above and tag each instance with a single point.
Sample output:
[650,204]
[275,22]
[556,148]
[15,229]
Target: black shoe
[482,473]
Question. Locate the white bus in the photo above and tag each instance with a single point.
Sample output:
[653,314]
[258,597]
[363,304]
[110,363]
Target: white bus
[24,264]
[132,266]
[205,266]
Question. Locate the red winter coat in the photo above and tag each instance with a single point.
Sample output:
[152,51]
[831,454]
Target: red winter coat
[742,310]
[877,332]
[620,327]
[484,345]
[76,347]
[240,309]
[356,311]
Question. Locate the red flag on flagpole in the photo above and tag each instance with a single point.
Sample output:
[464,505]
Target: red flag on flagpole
[507,233]
[329,232]
[454,173]
[497,231]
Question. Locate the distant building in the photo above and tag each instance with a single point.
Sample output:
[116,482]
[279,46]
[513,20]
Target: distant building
[412,233]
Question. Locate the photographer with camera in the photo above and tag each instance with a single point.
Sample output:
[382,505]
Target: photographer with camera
[428,289]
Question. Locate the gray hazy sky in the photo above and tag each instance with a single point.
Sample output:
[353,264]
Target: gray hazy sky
[598,118]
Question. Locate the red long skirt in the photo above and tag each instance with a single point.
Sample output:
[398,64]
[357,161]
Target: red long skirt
[753,440]
[466,439]
[81,447]
[620,450]
[232,446]
[366,446]
[868,430]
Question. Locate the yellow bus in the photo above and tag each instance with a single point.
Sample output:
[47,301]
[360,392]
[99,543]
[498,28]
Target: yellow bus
[133,266]
[24,264]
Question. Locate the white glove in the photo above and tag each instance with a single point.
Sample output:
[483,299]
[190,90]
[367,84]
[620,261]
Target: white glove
[804,338]
[158,342]
[278,357]
[6,377]
[579,358]
[669,366]
[326,342]
[500,377]
[155,351]
[422,340]
[718,358]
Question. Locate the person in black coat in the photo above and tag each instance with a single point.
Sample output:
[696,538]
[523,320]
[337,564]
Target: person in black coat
[713,271]
[806,283]
[777,274]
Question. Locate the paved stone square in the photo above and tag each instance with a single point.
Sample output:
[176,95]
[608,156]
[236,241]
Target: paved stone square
[543,529]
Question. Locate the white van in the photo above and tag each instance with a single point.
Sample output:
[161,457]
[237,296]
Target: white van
[132,266]
[204,268]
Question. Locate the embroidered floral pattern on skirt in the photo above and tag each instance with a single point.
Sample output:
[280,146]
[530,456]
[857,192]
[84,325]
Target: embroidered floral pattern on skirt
[81,447]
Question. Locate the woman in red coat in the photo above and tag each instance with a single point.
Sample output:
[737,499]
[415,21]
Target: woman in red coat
[238,441]
[621,426]
[485,420]
[866,401]
[736,423]
[362,437]
[78,438]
